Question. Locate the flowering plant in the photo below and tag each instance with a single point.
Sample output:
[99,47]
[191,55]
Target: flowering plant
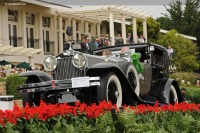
[8,66]
[97,118]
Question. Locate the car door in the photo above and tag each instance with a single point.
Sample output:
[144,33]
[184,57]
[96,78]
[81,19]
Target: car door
[159,64]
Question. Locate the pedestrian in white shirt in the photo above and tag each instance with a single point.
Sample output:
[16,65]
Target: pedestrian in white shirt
[170,52]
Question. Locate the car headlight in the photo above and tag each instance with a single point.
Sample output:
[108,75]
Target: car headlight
[79,60]
[50,63]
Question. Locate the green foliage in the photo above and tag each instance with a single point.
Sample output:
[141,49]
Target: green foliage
[2,79]
[185,20]
[178,76]
[192,93]
[153,28]
[150,122]
[164,23]
[185,51]
[12,82]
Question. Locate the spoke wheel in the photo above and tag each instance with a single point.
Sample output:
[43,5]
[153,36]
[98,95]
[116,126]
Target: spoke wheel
[110,89]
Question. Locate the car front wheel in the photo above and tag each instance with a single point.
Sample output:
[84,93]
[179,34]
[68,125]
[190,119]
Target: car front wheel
[110,89]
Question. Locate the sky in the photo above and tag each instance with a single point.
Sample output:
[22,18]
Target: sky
[154,7]
[155,10]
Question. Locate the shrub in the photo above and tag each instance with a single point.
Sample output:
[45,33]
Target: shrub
[178,76]
[12,82]
[2,79]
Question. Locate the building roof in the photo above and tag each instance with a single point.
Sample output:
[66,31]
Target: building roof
[48,4]
[101,13]
[185,36]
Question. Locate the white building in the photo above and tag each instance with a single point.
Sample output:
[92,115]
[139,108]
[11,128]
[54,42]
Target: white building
[30,30]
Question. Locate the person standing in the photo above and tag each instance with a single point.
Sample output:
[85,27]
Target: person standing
[170,52]
[106,42]
[96,43]
[119,40]
[84,46]
[129,38]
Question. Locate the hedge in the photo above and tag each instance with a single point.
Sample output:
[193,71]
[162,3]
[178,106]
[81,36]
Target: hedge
[179,76]
[12,82]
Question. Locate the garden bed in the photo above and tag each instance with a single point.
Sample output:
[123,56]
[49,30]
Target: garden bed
[98,118]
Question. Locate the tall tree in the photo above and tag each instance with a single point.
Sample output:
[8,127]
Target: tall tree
[175,14]
[165,23]
[185,19]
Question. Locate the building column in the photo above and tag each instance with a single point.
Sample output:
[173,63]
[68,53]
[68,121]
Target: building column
[60,34]
[79,30]
[40,33]
[98,29]
[134,24]
[31,62]
[66,37]
[145,29]
[74,29]
[55,35]
[1,30]
[123,26]
[23,28]
[111,23]
[68,24]
[86,27]
[82,27]
[93,30]
[5,31]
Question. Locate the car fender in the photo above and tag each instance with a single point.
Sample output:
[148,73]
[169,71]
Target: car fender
[42,76]
[176,86]
[164,84]
[128,92]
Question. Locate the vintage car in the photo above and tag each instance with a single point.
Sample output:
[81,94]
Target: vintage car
[94,77]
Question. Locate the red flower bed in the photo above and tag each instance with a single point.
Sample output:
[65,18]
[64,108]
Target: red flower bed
[45,111]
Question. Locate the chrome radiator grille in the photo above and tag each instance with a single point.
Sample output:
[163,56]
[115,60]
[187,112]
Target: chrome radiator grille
[66,70]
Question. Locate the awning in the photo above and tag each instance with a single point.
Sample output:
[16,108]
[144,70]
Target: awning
[3,62]
[23,65]
[10,50]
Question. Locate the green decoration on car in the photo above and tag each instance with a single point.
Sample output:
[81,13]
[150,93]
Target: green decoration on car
[135,58]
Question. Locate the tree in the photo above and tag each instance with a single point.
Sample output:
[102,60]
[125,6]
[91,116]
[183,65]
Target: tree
[153,28]
[186,20]
[165,23]
[185,51]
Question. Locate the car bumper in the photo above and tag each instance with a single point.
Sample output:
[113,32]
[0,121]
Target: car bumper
[72,84]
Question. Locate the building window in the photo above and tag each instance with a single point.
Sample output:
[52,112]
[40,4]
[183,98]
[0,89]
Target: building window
[30,18]
[46,22]
[89,28]
[101,30]
[76,26]
[63,24]
[12,15]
